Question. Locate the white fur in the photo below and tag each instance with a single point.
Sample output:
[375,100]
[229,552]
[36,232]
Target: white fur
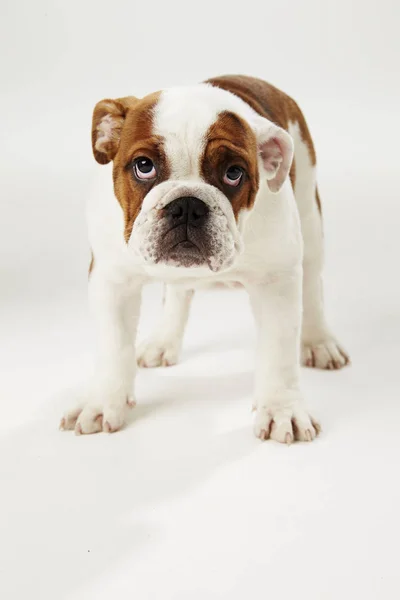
[318,344]
[263,252]
[115,305]
[163,348]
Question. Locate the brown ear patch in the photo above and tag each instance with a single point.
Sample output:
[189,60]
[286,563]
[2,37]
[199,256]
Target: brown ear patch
[231,142]
[107,123]
[269,102]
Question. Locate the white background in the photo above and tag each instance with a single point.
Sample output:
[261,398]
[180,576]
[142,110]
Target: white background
[185,503]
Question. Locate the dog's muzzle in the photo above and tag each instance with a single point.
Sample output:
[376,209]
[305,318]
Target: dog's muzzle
[186,225]
[185,241]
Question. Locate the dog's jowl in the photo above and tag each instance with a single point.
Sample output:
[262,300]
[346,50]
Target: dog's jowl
[204,185]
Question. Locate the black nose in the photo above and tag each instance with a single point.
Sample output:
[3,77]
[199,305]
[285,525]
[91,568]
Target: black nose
[188,210]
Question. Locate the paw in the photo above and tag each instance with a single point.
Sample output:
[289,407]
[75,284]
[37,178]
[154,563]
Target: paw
[325,354]
[91,416]
[155,353]
[285,424]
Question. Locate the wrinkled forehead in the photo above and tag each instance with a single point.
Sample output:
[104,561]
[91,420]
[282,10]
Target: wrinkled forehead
[178,125]
[187,119]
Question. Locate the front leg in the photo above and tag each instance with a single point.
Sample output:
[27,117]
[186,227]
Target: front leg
[115,307]
[280,412]
[163,347]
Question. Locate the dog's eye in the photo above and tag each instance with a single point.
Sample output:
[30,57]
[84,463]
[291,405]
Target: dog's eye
[233,176]
[144,168]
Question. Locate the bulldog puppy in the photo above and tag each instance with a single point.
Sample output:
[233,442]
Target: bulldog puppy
[209,184]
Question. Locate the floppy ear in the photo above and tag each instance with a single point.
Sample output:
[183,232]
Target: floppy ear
[276,151]
[107,123]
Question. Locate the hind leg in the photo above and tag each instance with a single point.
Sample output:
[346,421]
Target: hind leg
[319,347]
[163,347]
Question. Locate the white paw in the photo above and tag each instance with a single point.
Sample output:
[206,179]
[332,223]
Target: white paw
[157,353]
[325,354]
[93,416]
[284,424]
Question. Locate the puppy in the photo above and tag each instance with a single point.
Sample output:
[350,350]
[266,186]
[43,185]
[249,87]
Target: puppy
[210,184]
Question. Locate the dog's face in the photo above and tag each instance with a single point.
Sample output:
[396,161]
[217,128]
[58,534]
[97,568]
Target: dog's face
[187,166]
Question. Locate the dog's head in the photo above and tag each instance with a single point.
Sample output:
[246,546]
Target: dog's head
[187,167]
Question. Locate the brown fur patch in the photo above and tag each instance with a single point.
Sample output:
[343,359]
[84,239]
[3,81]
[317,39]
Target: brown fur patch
[137,139]
[133,138]
[269,102]
[231,142]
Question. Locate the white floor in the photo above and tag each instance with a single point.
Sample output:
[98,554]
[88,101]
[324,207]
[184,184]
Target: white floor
[185,503]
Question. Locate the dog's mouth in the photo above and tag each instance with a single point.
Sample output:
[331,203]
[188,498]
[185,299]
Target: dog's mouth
[184,246]
[187,245]
[187,254]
